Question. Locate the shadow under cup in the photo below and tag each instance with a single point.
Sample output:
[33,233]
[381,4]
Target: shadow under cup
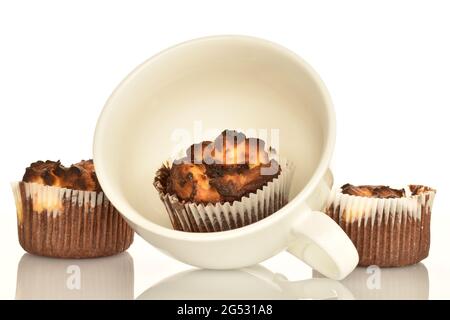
[209,86]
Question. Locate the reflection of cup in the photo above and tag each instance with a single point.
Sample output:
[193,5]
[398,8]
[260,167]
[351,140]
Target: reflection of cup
[250,283]
[373,283]
[228,82]
[101,278]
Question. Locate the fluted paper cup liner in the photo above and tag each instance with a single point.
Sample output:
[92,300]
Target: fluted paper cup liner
[66,223]
[386,232]
[192,217]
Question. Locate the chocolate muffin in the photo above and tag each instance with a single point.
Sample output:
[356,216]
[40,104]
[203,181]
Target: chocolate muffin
[389,227]
[223,184]
[62,212]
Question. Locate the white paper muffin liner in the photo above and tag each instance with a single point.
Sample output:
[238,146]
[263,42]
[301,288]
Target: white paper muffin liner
[386,232]
[192,217]
[66,223]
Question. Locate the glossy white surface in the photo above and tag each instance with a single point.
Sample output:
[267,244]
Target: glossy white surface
[388,81]
[145,273]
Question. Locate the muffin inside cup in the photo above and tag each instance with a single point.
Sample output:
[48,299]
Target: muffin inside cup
[223,184]
[62,212]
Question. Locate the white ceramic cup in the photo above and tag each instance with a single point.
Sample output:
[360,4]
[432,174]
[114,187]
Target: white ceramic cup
[227,82]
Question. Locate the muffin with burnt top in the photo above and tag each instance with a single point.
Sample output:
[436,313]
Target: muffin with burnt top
[62,212]
[373,191]
[205,190]
[79,176]
[389,227]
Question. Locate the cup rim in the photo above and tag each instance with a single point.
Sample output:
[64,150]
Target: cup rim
[137,219]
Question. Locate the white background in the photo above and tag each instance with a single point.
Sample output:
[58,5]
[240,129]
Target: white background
[385,63]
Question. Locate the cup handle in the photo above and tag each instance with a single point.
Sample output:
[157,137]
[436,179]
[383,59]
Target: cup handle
[323,245]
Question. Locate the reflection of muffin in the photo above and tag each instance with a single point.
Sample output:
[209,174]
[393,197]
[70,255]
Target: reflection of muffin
[109,278]
[62,212]
[389,227]
[221,185]
[373,283]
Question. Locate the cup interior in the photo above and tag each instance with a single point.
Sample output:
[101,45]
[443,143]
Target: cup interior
[194,91]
